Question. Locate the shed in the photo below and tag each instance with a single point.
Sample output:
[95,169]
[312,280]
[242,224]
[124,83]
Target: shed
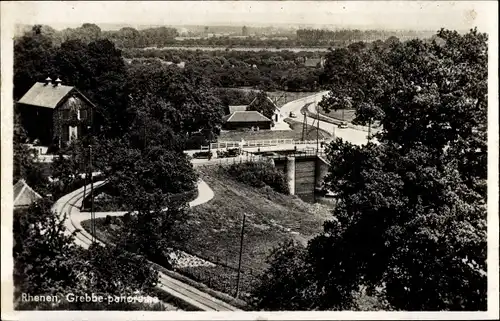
[24,195]
[246,120]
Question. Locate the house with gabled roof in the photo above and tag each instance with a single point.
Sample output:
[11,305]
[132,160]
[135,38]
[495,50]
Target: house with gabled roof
[257,102]
[24,195]
[52,113]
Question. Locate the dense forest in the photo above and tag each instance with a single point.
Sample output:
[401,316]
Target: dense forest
[267,70]
[408,231]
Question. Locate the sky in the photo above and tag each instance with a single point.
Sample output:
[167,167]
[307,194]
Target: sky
[404,15]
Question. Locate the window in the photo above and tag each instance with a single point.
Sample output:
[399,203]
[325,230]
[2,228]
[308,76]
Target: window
[65,113]
[83,114]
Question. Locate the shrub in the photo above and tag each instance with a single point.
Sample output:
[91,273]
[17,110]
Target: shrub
[260,174]
[201,155]
[231,152]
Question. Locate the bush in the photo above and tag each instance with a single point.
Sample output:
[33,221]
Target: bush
[260,174]
[201,155]
[231,152]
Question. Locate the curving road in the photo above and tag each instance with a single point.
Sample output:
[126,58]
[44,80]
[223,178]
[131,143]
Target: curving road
[69,206]
[355,136]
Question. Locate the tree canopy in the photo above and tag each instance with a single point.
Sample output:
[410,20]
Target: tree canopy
[47,262]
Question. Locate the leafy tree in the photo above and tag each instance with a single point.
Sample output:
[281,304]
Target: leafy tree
[33,54]
[263,104]
[47,262]
[24,165]
[43,254]
[149,174]
[181,100]
[155,227]
[286,285]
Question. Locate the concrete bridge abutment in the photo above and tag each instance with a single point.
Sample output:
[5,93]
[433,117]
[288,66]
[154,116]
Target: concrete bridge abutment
[290,174]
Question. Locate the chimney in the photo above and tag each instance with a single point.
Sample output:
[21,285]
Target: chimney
[48,81]
[58,82]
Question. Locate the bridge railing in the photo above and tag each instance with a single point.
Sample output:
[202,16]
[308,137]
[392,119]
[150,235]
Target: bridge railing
[259,143]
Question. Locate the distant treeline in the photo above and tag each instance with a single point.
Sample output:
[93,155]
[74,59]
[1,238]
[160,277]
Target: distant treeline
[128,37]
[123,38]
[347,36]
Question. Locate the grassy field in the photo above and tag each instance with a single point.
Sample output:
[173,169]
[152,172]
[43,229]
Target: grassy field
[348,114]
[215,227]
[295,133]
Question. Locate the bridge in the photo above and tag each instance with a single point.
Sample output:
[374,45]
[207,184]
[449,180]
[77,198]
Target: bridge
[303,162]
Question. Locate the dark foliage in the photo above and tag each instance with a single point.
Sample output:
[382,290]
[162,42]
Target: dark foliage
[259,174]
[409,227]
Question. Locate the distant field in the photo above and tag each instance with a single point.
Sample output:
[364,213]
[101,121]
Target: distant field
[295,133]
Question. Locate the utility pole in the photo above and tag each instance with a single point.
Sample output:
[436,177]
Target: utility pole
[92,214]
[369,129]
[84,156]
[317,125]
[241,252]
[304,125]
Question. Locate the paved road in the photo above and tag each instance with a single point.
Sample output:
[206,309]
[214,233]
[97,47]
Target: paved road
[69,205]
[352,135]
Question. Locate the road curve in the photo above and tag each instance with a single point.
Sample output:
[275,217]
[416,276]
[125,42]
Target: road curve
[68,207]
[354,136]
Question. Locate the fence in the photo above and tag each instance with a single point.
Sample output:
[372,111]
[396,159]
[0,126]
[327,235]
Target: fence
[259,143]
[245,158]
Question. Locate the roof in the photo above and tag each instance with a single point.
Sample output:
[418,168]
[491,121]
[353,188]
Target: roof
[268,98]
[312,62]
[246,116]
[24,195]
[43,95]
[232,109]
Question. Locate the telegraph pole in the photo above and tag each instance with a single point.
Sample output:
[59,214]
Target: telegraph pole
[84,177]
[317,120]
[241,252]
[92,214]
[304,126]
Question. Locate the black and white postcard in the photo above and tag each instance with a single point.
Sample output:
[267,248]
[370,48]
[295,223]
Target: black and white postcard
[242,160]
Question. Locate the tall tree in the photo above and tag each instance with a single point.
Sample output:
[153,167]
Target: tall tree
[47,262]
[33,54]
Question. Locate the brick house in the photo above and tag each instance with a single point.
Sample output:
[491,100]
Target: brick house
[55,114]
